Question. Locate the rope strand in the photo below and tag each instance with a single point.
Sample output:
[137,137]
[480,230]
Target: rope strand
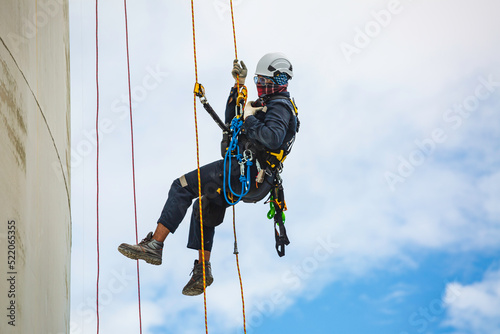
[133,159]
[234,211]
[234,30]
[199,172]
[239,272]
[97,150]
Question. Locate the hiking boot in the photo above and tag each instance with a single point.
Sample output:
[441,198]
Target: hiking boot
[148,250]
[195,285]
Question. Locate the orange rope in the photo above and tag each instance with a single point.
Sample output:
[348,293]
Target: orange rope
[199,177]
[234,211]
[199,173]
[234,30]
[235,48]
[239,272]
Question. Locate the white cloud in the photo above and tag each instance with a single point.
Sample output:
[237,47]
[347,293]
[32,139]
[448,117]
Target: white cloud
[356,120]
[489,186]
[474,308]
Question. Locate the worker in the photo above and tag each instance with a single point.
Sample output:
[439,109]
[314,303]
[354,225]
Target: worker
[270,125]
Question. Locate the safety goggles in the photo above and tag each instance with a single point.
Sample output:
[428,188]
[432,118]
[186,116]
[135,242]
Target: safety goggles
[262,80]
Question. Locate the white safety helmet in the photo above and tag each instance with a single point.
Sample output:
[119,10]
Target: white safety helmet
[273,64]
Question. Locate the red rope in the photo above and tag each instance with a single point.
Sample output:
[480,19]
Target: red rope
[97,163]
[133,161]
[97,144]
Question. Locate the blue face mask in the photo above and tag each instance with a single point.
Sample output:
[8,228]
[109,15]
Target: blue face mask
[281,79]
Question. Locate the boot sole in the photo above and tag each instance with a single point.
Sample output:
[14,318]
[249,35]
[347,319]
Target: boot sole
[133,254]
[197,289]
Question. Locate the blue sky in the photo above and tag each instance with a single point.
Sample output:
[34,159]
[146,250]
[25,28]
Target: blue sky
[393,184]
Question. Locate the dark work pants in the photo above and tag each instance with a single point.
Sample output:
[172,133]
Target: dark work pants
[185,189]
[181,195]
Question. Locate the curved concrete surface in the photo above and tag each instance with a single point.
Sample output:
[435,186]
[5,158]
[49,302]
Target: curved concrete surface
[35,228]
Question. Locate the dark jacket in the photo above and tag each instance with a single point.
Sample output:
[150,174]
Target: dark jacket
[274,129]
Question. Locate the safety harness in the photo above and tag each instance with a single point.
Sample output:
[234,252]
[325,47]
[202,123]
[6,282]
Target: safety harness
[276,199]
[275,158]
[269,163]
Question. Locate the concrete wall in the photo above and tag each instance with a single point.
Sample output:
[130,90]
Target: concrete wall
[35,220]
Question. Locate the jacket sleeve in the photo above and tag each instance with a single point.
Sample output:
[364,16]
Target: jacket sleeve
[270,131]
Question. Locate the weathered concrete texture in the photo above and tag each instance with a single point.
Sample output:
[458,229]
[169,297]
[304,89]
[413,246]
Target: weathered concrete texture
[35,215]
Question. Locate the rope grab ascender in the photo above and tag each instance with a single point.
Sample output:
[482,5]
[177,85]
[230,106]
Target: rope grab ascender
[277,206]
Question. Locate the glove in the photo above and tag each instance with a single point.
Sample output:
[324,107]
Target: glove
[239,72]
[249,110]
